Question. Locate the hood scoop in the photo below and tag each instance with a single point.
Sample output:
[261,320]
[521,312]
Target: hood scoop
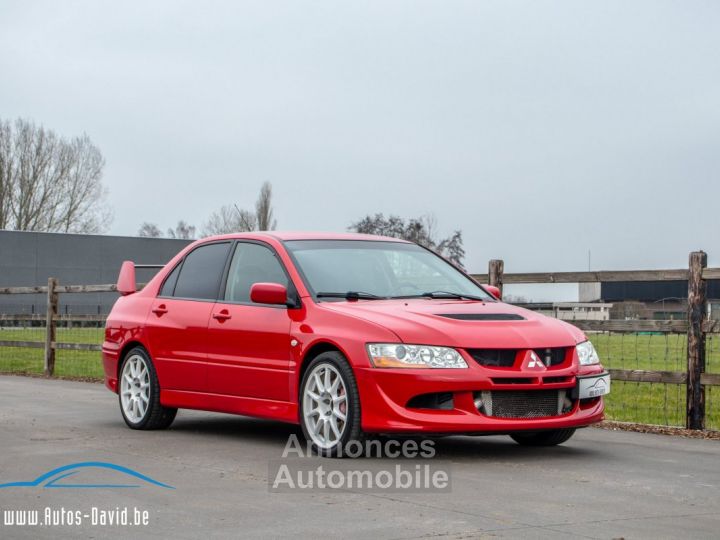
[482,316]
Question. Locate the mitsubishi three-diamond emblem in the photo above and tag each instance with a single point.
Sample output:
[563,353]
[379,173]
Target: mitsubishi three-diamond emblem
[535,361]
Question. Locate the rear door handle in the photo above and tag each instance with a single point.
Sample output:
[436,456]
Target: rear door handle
[223,315]
[160,310]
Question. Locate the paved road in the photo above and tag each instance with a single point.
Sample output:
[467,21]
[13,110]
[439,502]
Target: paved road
[601,484]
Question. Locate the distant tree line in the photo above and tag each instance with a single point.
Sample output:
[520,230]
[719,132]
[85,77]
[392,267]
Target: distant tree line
[228,219]
[422,230]
[54,184]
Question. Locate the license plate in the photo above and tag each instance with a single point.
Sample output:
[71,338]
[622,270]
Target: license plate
[591,387]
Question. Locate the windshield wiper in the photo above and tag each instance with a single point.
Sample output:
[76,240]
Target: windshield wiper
[446,294]
[351,295]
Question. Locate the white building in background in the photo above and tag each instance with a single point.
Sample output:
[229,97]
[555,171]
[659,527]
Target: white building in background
[581,311]
[573,311]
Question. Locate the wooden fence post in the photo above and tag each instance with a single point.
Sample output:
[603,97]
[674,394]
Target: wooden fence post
[495,273]
[697,312]
[50,334]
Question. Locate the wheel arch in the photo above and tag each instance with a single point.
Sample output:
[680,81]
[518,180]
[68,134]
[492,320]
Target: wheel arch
[123,352]
[315,350]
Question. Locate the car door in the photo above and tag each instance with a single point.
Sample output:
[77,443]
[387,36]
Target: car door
[177,324]
[249,344]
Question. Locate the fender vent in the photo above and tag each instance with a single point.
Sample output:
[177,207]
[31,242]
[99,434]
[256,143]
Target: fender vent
[482,316]
[442,401]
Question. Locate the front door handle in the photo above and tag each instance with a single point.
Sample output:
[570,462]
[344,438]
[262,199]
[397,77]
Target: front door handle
[222,316]
[160,310]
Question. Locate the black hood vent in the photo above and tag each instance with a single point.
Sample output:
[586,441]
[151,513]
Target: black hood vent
[482,316]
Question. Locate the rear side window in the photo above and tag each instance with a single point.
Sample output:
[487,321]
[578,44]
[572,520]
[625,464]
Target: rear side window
[201,271]
[252,263]
[168,287]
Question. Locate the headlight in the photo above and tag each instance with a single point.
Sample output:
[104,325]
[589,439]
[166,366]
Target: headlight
[396,355]
[587,354]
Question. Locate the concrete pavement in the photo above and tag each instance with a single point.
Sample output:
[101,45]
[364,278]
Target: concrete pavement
[601,484]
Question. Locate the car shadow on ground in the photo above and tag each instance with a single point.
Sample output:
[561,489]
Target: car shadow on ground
[455,448]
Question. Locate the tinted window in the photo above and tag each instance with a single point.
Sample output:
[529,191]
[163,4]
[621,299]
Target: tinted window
[201,272]
[169,285]
[252,263]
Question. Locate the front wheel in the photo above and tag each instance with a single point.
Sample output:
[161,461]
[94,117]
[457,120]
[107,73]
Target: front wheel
[543,438]
[140,393]
[330,406]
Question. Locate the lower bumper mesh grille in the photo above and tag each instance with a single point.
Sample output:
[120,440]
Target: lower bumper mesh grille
[523,403]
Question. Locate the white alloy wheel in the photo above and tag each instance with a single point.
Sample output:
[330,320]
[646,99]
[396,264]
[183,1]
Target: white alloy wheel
[135,388]
[325,406]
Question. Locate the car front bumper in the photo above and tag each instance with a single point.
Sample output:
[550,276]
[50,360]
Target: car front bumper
[385,394]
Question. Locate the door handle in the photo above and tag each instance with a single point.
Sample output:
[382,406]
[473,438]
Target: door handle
[222,316]
[160,310]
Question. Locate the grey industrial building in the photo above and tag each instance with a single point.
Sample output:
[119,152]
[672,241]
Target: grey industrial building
[648,299]
[30,258]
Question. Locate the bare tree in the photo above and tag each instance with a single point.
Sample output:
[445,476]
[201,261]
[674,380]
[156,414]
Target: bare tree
[49,183]
[182,231]
[421,230]
[231,219]
[264,210]
[149,230]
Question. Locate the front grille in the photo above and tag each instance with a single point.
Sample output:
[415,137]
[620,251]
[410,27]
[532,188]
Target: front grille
[552,356]
[493,357]
[523,403]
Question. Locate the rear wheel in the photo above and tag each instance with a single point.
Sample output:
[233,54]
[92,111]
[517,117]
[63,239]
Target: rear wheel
[140,393]
[543,438]
[330,406]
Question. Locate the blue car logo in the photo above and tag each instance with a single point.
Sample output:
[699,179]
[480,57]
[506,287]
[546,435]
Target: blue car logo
[71,476]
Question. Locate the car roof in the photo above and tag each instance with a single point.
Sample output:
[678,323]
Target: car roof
[298,235]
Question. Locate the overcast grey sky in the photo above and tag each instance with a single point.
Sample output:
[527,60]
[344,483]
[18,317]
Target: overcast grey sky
[542,130]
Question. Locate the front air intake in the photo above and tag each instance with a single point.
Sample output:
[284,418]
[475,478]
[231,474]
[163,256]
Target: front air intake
[523,403]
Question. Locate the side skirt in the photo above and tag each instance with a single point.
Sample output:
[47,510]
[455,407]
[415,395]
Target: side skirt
[246,406]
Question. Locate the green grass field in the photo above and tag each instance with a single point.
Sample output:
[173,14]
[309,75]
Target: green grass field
[629,402]
[85,364]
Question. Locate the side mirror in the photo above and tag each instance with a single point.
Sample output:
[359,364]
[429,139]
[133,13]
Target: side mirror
[269,293]
[126,280]
[492,289]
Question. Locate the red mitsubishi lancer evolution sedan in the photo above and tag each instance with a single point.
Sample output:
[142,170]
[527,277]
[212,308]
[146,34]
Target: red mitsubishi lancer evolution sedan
[346,335]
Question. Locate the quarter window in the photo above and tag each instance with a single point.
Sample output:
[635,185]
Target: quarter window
[168,287]
[252,263]
[201,272]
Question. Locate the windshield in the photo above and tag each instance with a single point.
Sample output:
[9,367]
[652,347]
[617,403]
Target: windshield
[379,269]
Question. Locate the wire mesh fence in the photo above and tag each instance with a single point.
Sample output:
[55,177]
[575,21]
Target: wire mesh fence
[643,402]
[649,402]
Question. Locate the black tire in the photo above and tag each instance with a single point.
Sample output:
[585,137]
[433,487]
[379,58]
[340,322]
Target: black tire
[543,438]
[156,416]
[352,433]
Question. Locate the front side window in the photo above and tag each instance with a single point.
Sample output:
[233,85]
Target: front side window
[252,263]
[201,272]
[380,268]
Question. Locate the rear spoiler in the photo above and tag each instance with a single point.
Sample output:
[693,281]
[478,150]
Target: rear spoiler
[126,280]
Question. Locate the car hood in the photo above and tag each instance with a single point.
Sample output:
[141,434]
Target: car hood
[473,324]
